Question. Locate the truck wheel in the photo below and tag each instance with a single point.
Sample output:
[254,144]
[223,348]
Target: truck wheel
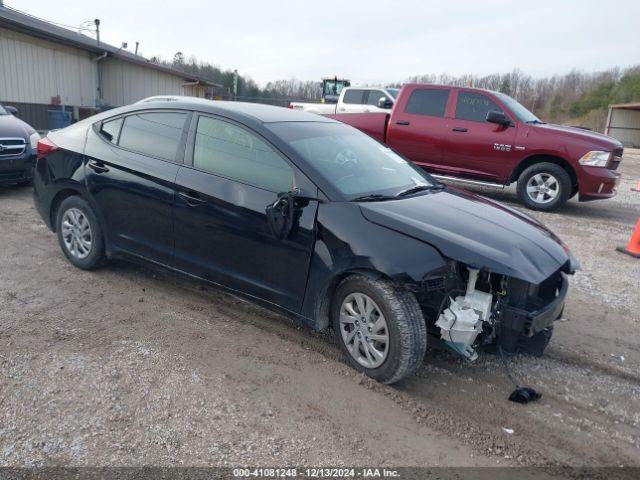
[544,186]
[79,234]
[379,327]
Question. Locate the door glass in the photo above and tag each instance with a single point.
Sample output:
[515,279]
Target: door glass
[430,102]
[156,133]
[474,106]
[227,150]
[111,129]
[374,97]
[354,96]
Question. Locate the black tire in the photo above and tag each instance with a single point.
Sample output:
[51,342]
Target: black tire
[407,330]
[563,182]
[95,257]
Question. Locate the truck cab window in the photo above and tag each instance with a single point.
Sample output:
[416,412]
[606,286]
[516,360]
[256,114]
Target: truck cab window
[354,97]
[474,106]
[428,101]
[375,96]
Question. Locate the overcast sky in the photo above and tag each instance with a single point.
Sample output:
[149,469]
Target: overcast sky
[368,41]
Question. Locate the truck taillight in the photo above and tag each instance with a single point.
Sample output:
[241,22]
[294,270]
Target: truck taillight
[45,147]
[291,105]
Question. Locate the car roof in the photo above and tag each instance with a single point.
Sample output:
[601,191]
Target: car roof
[256,112]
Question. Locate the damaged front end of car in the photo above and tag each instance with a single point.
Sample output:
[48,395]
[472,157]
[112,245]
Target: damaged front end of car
[473,309]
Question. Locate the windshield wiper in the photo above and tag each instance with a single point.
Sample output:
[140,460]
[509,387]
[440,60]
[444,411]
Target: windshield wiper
[375,197]
[419,188]
[536,121]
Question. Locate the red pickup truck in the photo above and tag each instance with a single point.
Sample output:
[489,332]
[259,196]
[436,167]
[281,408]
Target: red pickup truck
[483,137]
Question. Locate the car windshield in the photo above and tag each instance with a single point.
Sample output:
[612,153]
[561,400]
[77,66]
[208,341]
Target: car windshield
[3,111]
[393,92]
[351,161]
[518,110]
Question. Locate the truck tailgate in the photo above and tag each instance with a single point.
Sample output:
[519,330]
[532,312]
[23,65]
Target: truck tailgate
[373,124]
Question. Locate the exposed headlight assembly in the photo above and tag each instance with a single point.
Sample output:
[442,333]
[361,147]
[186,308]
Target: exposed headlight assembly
[595,158]
[33,140]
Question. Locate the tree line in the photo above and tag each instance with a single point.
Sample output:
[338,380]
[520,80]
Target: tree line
[576,98]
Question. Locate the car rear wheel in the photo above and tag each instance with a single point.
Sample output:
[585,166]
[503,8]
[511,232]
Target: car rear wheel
[79,234]
[544,186]
[380,328]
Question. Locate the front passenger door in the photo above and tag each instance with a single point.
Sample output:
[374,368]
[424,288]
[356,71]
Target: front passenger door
[222,231]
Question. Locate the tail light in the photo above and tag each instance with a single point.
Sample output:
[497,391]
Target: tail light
[46,147]
[291,105]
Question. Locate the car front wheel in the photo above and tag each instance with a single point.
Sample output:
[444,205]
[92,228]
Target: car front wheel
[544,186]
[380,328]
[79,234]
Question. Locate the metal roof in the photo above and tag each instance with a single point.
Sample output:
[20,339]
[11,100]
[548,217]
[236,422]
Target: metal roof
[30,25]
[627,106]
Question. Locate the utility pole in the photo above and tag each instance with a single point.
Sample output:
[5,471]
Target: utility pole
[137,44]
[97,22]
[235,84]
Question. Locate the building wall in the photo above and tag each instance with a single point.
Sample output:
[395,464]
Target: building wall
[624,125]
[125,82]
[33,71]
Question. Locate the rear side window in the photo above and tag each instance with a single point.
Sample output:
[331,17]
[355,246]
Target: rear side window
[474,106]
[110,130]
[430,102]
[227,150]
[156,134]
[374,97]
[354,96]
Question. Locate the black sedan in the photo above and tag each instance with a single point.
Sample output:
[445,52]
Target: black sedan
[309,216]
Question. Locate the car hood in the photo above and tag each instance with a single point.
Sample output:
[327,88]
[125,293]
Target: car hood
[11,126]
[587,136]
[477,232]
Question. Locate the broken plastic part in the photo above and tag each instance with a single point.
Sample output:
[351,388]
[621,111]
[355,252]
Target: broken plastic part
[524,395]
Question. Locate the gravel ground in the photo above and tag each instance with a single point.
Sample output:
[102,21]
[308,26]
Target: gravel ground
[130,366]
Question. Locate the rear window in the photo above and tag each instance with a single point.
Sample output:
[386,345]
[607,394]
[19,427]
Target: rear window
[430,102]
[156,134]
[354,96]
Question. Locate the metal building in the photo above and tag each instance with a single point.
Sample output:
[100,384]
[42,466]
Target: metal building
[623,123]
[53,75]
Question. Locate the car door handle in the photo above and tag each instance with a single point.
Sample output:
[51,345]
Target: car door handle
[97,166]
[192,198]
[403,122]
[460,129]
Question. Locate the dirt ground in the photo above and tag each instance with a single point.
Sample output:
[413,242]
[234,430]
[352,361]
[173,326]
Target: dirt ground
[132,366]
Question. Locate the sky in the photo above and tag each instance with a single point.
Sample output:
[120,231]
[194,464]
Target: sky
[369,42]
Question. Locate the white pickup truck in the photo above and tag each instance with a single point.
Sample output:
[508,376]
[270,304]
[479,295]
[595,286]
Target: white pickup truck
[353,100]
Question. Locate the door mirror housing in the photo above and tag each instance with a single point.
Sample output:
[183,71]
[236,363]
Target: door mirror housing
[498,117]
[384,102]
[12,110]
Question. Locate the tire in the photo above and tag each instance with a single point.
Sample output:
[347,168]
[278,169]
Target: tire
[404,325]
[544,186]
[72,216]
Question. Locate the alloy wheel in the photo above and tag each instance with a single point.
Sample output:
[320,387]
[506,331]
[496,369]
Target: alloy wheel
[364,330]
[76,233]
[543,188]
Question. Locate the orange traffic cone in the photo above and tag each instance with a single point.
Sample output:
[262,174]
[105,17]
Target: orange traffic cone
[633,247]
[637,187]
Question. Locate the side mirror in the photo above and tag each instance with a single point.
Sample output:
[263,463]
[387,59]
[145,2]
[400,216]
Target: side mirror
[384,102]
[498,117]
[12,110]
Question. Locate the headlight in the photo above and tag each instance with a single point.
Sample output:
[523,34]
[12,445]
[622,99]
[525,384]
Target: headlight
[595,158]
[33,140]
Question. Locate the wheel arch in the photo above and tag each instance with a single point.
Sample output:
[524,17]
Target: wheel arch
[57,200]
[544,158]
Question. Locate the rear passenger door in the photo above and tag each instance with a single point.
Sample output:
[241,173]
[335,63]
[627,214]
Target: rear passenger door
[131,165]
[476,148]
[418,127]
[222,234]
[353,101]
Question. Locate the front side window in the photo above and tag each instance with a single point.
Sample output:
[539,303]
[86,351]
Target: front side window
[375,96]
[475,106]
[3,111]
[349,160]
[354,97]
[428,101]
[156,134]
[110,130]
[225,149]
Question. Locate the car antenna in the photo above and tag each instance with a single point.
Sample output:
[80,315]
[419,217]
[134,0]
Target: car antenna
[521,394]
